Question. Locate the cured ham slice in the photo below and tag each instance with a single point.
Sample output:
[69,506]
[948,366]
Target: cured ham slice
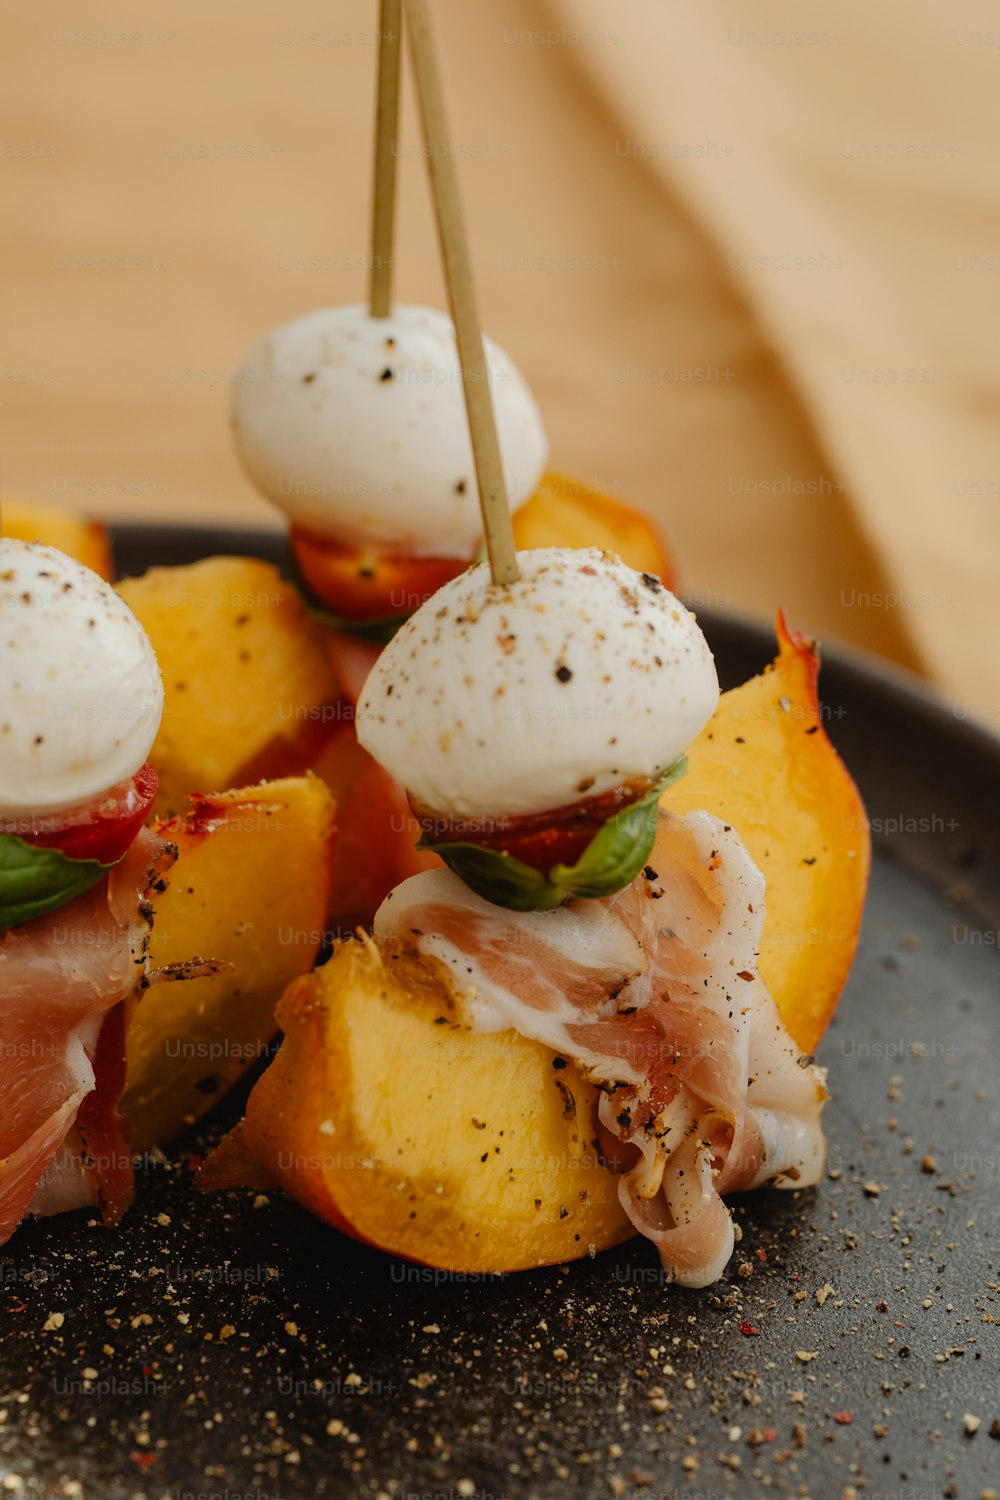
[65,980]
[655,994]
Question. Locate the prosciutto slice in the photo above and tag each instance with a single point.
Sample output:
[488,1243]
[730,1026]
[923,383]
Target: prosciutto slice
[654,993]
[65,980]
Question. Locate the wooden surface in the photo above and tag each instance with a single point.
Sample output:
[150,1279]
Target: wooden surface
[175,183]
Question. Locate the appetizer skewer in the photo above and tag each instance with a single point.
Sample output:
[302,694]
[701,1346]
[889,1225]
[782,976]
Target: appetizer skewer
[629,944]
[592,1068]
[80,703]
[661,1006]
[354,426]
[98,1061]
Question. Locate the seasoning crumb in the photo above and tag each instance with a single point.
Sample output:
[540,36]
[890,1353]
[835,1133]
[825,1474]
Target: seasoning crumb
[971,1424]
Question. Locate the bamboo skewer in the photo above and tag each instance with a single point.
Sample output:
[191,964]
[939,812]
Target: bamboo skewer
[384,190]
[497,526]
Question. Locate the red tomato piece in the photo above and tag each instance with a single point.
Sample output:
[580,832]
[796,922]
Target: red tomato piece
[363,583]
[558,836]
[102,830]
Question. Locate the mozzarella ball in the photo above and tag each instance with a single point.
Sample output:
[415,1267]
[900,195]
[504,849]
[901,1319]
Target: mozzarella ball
[499,701]
[80,691]
[356,427]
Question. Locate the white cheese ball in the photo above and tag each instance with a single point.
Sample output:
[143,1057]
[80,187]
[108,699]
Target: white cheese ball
[356,427]
[578,678]
[80,691]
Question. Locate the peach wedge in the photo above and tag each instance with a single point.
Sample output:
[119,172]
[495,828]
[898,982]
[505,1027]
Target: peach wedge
[470,1153]
[247,896]
[245,671]
[764,762]
[62,527]
[565,512]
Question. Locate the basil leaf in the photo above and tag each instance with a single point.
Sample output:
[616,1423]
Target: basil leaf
[611,860]
[614,857]
[34,880]
[498,877]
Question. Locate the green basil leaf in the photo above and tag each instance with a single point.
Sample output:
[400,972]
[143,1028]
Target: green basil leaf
[34,880]
[611,860]
[498,877]
[614,857]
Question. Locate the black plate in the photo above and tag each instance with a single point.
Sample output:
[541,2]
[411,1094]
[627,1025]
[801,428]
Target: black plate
[237,1351]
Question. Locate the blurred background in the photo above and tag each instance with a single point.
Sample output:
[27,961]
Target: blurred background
[746,254]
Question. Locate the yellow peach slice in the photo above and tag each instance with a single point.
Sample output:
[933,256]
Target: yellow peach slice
[764,763]
[62,527]
[390,1122]
[244,670]
[565,512]
[248,896]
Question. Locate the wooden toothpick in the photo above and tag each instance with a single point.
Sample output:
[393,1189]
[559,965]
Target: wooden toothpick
[497,526]
[384,189]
